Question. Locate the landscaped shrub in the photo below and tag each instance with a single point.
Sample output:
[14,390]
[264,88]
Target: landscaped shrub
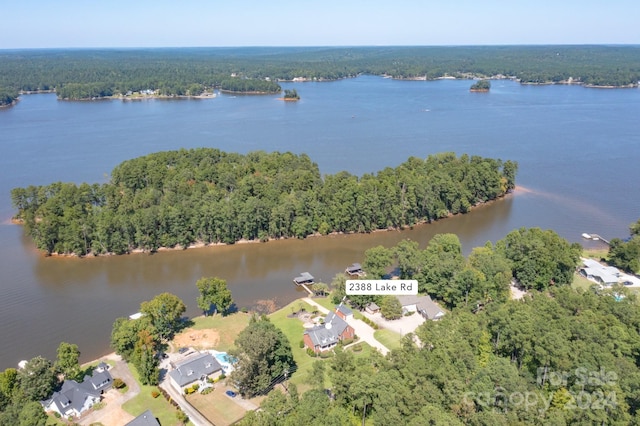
[311,353]
[195,386]
[326,354]
[207,390]
[155,394]
[301,344]
[357,348]
[182,417]
[345,342]
[222,376]
[189,391]
[118,383]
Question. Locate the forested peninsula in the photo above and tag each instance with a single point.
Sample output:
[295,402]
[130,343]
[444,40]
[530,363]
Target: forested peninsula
[98,73]
[180,198]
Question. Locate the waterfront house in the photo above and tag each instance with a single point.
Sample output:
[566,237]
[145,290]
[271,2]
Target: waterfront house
[324,337]
[421,304]
[195,369]
[598,273]
[75,398]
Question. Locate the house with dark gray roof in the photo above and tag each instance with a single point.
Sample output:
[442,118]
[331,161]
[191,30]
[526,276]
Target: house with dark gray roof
[421,304]
[144,419]
[324,337]
[75,398]
[195,369]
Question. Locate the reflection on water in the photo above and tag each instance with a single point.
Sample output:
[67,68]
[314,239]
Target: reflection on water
[577,149]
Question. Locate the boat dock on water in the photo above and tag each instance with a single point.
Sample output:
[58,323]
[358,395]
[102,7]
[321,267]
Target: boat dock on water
[595,237]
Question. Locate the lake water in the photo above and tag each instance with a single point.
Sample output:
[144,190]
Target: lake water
[578,151]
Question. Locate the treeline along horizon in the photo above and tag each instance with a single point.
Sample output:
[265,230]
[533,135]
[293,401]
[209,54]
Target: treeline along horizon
[204,195]
[88,73]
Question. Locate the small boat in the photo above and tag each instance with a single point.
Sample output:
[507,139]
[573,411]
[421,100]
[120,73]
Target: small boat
[586,236]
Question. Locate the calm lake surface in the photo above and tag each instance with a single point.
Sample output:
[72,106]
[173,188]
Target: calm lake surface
[578,151]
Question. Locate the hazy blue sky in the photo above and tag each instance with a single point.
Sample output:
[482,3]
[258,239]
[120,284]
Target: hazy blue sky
[152,23]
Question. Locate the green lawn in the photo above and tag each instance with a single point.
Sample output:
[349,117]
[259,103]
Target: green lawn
[159,406]
[293,329]
[597,254]
[389,338]
[581,282]
[217,407]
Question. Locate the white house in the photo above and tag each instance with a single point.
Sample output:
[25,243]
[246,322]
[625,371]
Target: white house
[75,398]
[195,369]
[421,304]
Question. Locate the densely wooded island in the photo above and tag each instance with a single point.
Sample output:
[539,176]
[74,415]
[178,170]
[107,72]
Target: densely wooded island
[178,198]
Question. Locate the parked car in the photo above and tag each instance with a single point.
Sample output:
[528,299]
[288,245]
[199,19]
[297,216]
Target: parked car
[231,393]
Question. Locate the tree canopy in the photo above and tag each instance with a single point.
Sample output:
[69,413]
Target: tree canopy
[264,354]
[178,198]
[214,292]
[165,313]
[87,73]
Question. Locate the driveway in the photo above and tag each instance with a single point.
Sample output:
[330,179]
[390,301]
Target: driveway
[363,331]
[194,415]
[402,325]
[112,413]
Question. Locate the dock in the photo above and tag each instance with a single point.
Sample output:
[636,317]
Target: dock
[595,237]
[305,280]
[355,270]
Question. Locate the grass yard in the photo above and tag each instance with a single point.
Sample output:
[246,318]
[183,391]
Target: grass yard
[389,338]
[293,329]
[217,407]
[159,406]
[596,254]
[581,282]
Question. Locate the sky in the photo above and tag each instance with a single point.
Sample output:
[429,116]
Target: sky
[195,23]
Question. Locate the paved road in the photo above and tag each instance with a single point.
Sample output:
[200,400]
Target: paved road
[363,331]
[194,415]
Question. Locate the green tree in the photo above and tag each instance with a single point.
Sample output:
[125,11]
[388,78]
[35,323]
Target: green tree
[9,385]
[339,288]
[540,259]
[263,353]
[32,414]
[390,307]
[165,312]
[145,360]
[37,379]
[214,292]
[443,260]
[320,289]
[67,361]
[376,262]
[126,332]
